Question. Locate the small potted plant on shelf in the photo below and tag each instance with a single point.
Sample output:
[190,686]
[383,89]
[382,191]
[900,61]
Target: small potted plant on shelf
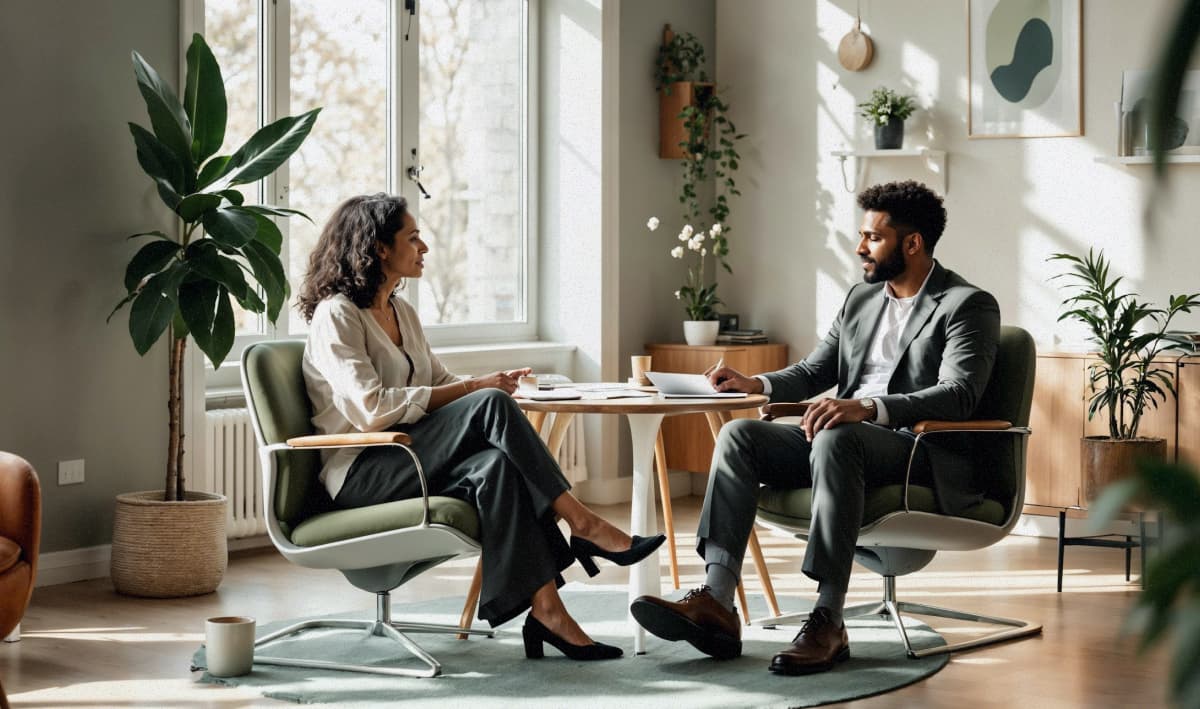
[887,110]
[694,126]
[171,542]
[1126,382]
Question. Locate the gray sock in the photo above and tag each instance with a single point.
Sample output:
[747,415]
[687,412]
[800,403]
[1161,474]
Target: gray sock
[722,584]
[833,599]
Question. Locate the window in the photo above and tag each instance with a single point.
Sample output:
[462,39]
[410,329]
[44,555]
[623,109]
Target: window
[439,94]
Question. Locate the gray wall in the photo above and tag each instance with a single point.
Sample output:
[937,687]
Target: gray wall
[70,191]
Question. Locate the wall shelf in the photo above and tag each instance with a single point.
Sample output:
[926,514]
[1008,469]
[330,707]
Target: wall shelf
[935,161]
[1147,159]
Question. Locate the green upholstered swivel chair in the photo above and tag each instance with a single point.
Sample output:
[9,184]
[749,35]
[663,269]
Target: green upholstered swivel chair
[903,527]
[377,548]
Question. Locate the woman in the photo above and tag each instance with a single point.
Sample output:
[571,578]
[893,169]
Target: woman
[368,367]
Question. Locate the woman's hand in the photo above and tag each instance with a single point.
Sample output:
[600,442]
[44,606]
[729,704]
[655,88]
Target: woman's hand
[505,381]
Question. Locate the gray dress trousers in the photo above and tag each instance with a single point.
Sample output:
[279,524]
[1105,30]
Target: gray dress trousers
[481,449]
[839,464]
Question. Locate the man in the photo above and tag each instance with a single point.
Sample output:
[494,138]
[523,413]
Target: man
[915,341]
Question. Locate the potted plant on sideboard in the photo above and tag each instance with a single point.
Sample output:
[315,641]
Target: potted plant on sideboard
[1125,383]
[171,542]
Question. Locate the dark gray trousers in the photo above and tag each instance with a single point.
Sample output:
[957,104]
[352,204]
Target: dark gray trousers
[481,449]
[839,464]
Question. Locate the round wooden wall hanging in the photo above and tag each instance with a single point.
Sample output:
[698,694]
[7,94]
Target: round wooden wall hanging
[855,51]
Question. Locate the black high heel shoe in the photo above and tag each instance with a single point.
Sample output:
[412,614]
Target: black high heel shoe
[641,548]
[534,634]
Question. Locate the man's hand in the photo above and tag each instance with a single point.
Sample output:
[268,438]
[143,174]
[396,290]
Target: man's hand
[827,413]
[726,379]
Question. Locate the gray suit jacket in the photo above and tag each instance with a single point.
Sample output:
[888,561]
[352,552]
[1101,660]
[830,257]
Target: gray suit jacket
[946,354]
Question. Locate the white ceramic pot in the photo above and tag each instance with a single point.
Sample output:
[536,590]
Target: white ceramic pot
[700,332]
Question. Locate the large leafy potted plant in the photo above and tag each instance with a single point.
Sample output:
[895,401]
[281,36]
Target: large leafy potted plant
[171,542]
[1125,383]
[694,126]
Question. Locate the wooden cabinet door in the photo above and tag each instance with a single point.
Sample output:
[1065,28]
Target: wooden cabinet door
[1187,387]
[687,438]
[1059,409]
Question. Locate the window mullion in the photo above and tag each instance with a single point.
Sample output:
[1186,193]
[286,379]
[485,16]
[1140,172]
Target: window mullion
[274,102]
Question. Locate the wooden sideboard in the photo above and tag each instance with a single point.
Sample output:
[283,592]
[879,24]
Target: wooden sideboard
[1059,420]
[687,438]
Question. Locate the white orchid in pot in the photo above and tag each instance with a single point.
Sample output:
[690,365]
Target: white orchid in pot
[699,298]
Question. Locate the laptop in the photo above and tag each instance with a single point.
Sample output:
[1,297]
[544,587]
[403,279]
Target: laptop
[688,386]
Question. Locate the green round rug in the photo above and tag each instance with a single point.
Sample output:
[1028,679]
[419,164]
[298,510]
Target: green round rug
[484,672]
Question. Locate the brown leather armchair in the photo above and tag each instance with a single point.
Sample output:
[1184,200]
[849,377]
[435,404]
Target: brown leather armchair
[20,534]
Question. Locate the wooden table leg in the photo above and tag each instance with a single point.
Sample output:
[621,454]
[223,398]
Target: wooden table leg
[558,430]
[765,576]
[664,491]
[741,593]
[472,603]
[537,419]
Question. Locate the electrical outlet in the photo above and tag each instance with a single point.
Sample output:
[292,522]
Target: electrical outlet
[70,472]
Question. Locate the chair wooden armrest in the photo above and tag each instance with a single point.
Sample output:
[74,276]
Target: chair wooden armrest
[931,426]
[779,410]
[378,438]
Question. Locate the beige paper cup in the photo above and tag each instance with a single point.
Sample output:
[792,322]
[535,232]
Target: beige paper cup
[640,364]
[229,645]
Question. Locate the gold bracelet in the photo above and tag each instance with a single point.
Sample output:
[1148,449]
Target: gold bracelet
[466,390]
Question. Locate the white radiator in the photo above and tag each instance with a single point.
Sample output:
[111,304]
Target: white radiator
[572,453]
[233,470]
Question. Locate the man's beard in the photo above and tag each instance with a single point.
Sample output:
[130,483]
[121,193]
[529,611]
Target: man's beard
[886,270]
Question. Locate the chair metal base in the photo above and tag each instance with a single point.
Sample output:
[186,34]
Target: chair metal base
[891,607]
[382,626]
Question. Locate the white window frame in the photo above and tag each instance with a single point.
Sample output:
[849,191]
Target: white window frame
[402,123]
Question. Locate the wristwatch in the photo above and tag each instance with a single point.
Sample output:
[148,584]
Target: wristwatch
[869,405]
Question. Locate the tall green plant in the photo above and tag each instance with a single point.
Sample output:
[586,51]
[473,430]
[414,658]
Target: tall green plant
[1128,335]
[226,250]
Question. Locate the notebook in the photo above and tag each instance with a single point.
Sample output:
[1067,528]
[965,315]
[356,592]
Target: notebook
[694,386]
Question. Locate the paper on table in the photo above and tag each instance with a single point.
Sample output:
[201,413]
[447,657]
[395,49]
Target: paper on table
[547,394]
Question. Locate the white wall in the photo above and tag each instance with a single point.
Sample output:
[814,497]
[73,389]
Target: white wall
[1011,202]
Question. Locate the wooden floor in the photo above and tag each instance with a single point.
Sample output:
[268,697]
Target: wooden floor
[85,646]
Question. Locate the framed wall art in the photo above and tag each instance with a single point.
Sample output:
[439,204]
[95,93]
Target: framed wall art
[1024,68]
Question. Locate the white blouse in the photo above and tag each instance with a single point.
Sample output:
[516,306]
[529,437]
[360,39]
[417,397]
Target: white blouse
[359,380]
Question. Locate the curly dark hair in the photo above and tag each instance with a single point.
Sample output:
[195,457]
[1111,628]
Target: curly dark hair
[910,206]
[345,259]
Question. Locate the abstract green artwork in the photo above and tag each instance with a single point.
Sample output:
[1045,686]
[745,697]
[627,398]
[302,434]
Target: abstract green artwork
[1024,75]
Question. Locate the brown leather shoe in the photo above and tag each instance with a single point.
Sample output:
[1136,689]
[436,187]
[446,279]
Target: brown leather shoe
[698,618]
[817,648]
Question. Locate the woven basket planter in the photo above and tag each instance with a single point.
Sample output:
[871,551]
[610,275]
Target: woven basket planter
[168,549]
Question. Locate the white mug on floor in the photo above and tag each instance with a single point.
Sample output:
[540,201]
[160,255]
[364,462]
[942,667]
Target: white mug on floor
[229,645]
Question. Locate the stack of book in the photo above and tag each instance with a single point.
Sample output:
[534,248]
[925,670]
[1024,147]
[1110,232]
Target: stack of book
[742,337]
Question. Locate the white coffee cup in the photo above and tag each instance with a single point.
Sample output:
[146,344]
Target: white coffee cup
[229,645]
[527,384]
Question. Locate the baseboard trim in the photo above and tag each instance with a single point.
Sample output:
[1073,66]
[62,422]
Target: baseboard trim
[614,491]
[73,565]
[88,563]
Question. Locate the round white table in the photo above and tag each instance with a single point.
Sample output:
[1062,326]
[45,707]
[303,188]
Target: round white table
[645,416]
